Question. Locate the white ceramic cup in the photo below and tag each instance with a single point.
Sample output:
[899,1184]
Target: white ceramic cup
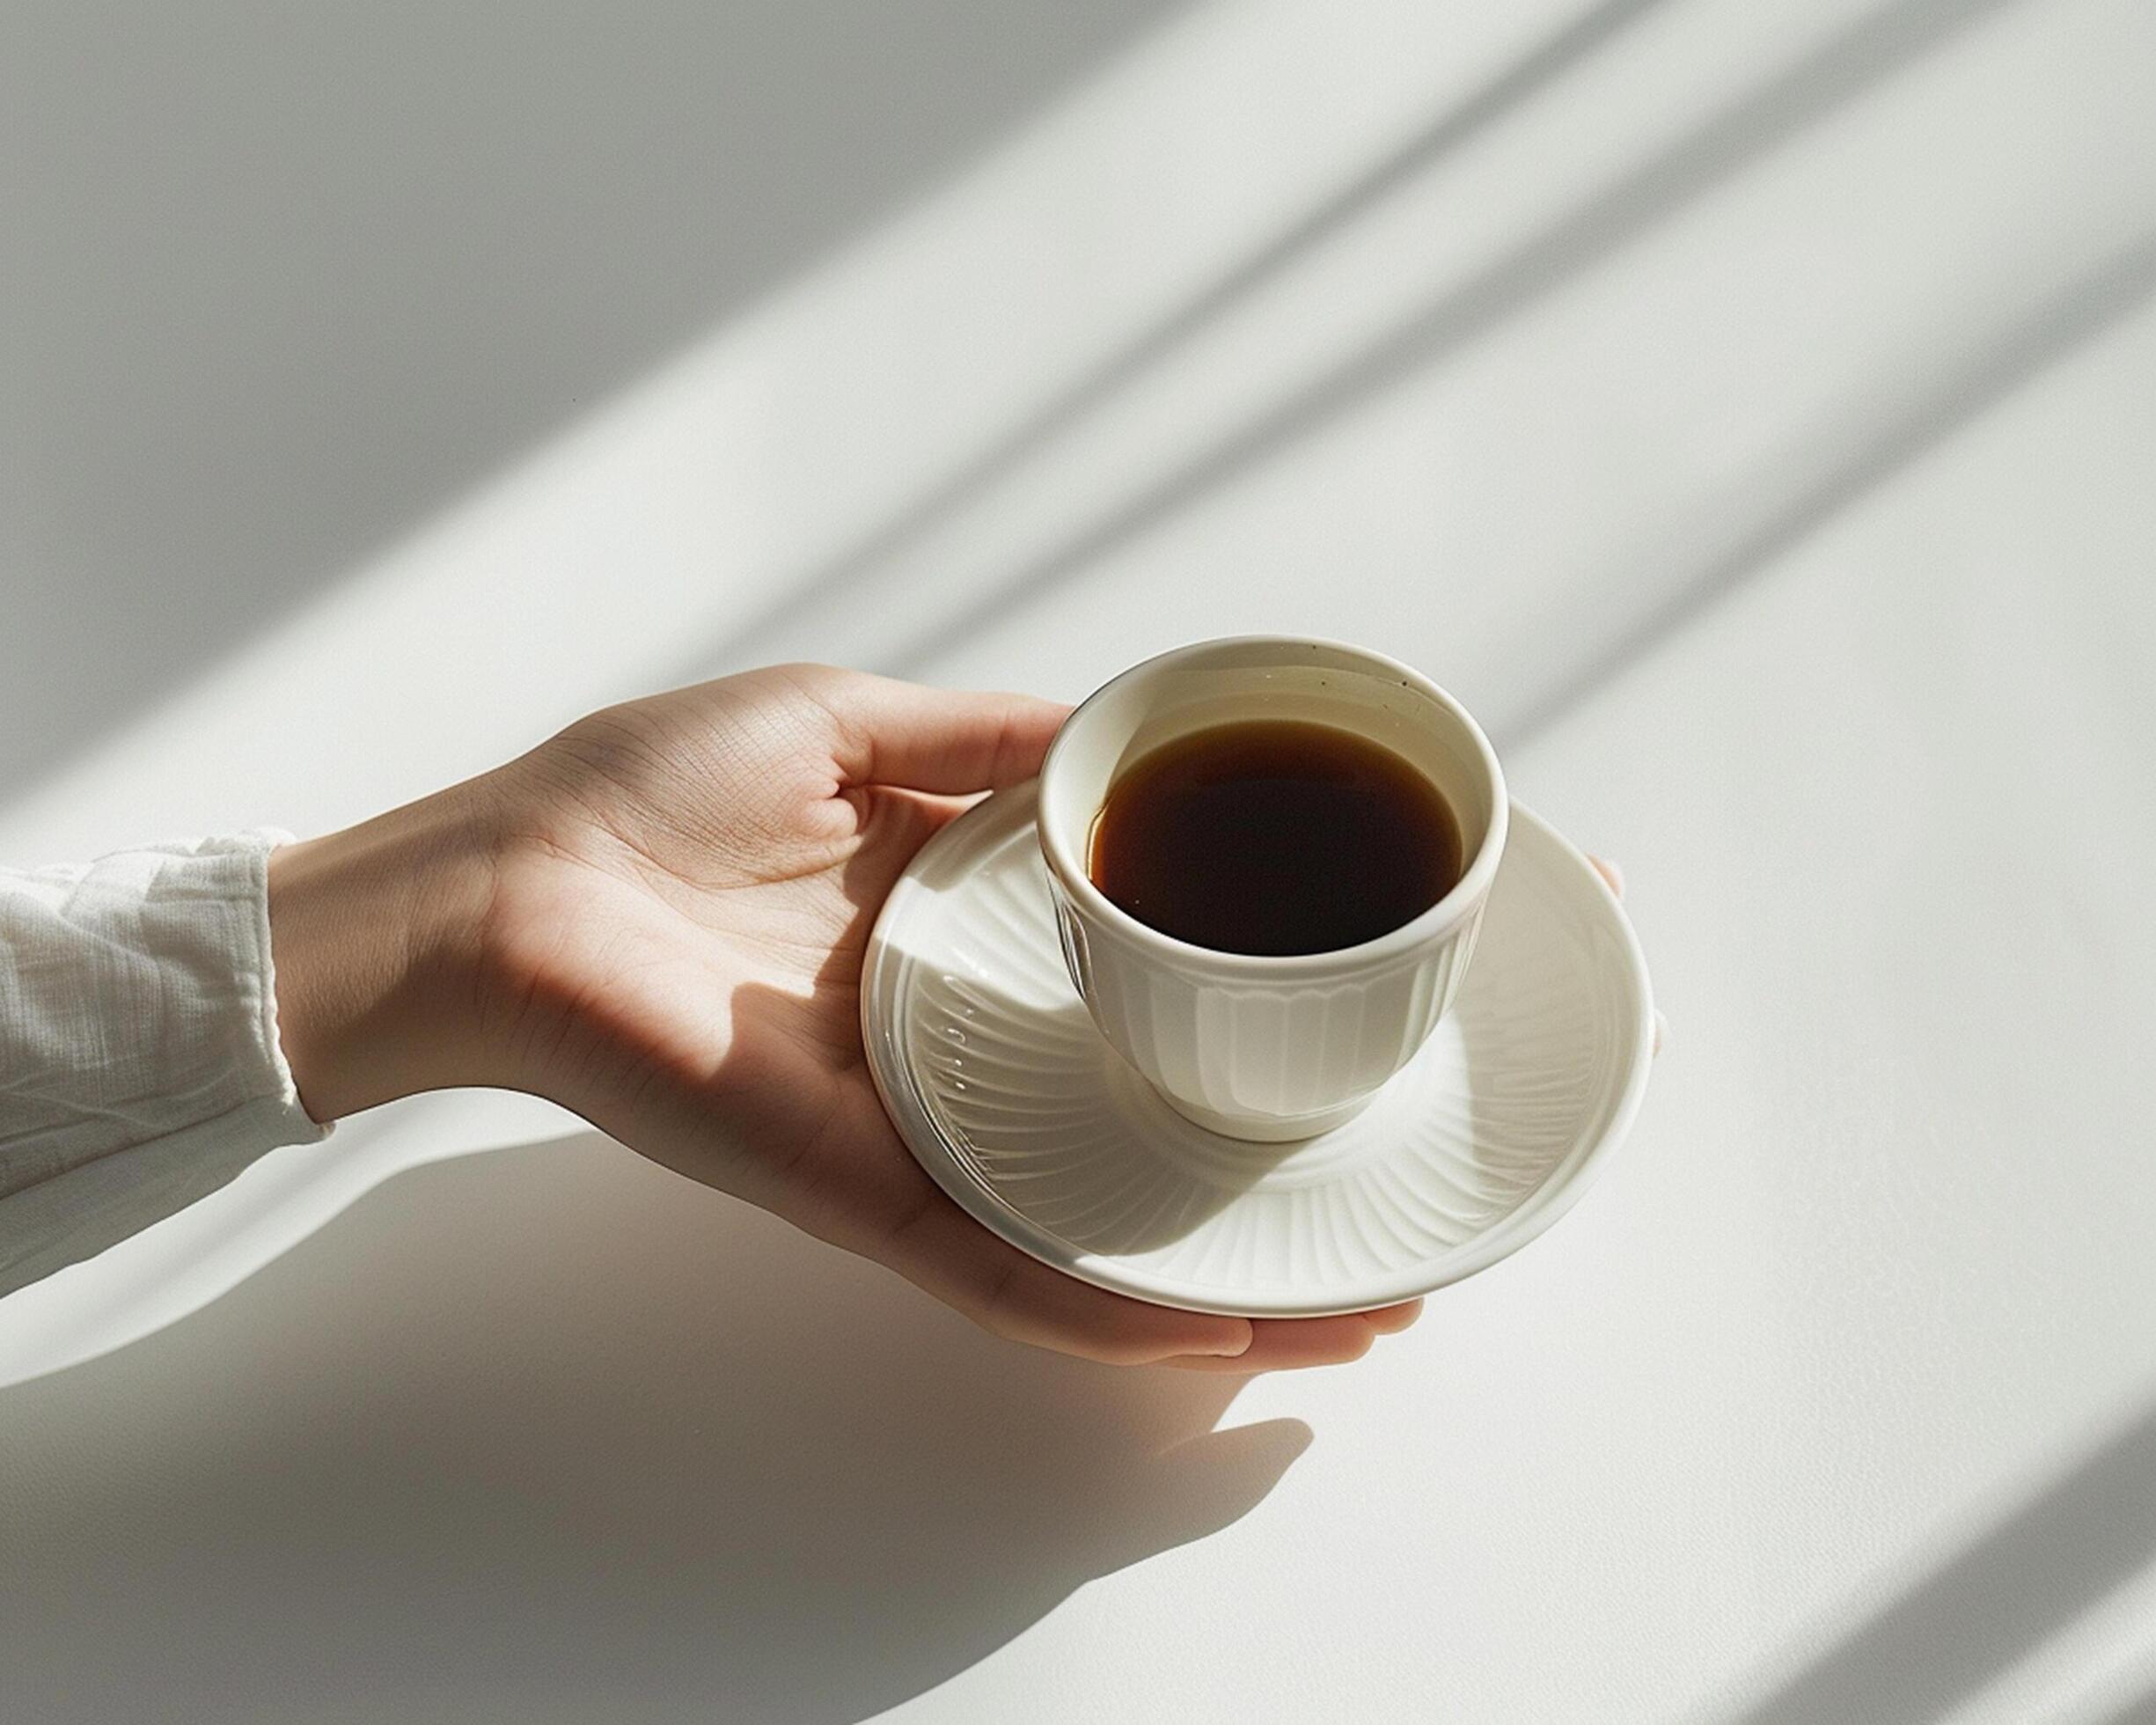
[1255,1047]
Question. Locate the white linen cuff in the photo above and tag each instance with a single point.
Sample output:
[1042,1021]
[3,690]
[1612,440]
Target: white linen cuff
[140,1066]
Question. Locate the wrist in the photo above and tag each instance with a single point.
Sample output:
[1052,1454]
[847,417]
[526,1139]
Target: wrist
[374,940]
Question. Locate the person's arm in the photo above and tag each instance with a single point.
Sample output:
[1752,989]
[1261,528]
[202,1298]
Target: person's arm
[657,918]
[140,1066]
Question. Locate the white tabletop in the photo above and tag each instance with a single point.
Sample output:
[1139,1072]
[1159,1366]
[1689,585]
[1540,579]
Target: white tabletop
[1750,410]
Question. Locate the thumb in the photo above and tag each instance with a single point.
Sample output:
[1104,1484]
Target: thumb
[952,741]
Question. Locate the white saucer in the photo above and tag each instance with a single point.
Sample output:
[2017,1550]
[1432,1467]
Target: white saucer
[1009,1097]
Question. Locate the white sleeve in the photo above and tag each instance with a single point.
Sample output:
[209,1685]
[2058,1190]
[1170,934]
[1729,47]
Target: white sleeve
[139,1061]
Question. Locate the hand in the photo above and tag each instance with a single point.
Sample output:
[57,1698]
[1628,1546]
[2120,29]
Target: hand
[657,918]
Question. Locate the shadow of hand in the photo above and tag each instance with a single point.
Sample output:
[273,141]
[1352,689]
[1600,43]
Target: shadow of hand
[548,1433]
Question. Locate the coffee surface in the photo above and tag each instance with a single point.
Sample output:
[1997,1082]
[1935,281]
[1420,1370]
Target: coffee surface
[1274,837]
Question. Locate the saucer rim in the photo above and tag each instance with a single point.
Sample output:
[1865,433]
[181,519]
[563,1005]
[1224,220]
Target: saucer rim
[883,970]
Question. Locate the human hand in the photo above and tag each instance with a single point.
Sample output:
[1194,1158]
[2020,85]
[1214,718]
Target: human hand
[657,918]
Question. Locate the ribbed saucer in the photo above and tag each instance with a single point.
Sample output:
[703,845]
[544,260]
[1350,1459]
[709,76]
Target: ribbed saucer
[1011,1100]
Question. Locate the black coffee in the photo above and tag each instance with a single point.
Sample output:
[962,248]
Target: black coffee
[1274,837]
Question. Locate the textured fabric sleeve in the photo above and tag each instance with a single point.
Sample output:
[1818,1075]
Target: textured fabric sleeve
[139,1061]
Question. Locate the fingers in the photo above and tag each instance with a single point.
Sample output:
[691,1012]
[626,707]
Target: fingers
[947,1253]
[1390,1321]
[949,740]
[1290,1344]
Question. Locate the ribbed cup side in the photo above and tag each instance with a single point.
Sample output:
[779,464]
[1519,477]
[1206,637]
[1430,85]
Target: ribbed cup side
[1280,1050]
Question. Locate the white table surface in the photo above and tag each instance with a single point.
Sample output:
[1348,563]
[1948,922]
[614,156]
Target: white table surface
[1750,410]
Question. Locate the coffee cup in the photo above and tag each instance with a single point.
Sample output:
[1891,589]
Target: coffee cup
[1260,1046]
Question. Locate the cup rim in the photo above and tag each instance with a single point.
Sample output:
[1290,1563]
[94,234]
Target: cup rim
[1441,919]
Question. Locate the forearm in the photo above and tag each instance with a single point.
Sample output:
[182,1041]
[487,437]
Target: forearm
[168,1014]
[375,931]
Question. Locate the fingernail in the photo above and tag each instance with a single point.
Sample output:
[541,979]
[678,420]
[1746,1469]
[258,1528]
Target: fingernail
[1661,1027]
[1613,874]
[1237,1350]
